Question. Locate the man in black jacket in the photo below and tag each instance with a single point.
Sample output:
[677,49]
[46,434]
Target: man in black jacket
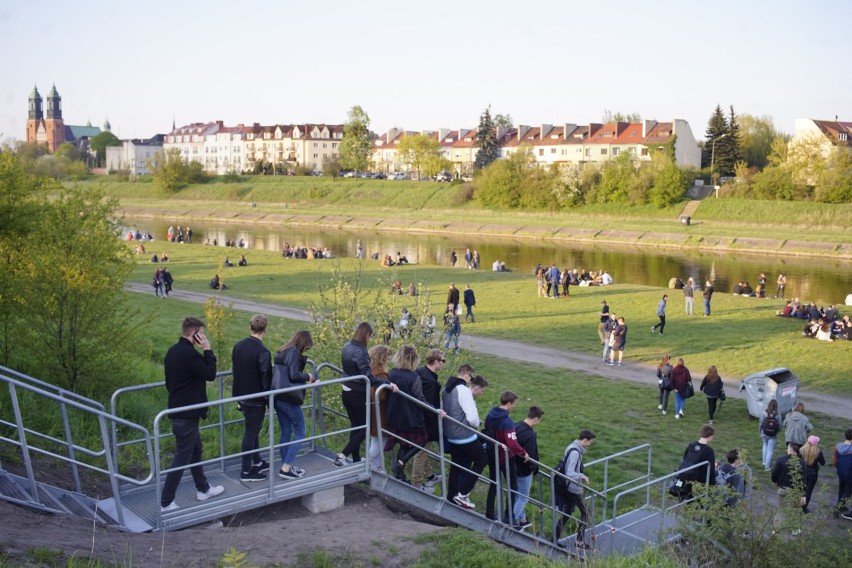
[252,367]
[187,373]
[788,476]
[453,295]
[422,475]
[695,453]
[526,468]
[469,303]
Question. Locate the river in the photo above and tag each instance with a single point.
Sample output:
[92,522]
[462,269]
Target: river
[821,280]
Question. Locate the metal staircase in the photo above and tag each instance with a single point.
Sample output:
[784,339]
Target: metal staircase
[643,519]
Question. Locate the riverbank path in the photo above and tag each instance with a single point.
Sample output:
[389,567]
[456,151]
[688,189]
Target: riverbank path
[832,405]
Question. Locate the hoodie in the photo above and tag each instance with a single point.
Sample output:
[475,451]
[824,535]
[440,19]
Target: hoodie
[843,460]
[796,428]
[459,405]
[500,426]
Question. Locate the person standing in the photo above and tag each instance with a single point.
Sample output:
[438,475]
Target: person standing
[464,445]
[708,295]
[167,281]
[452,327]
[575,499]
[618,340]
[664,381]
[189,235]
[468,259]
[842,461]
[609,326]
[422,475]
[688,296]
[712,387]
[454,258]
[405,417]
[787,476]
[604,317]
[797,426]
[290,359]
[526,469]
[812,458]
[540,282]
[554,275]
[252,373]
[680,383]
[500,427]
[770,425]
[661,313]
[187,373]
[780,285]
[158,283]
[469,303]
[453,295]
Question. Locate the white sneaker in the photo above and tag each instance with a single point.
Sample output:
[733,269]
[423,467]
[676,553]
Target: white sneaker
[677,416]
[426,489]
[664,412]
[212,492]
[681,413]
[659,407]
[464,501]
[173,506]
[433,480]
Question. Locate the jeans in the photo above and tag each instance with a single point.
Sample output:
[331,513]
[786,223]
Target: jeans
[680,402]
[290,420]
[706,306]
[768,449]
[356,409]
[664,398]
[158,289]
[690,304]
[556,290]
[451,337]
[606,348]
[524,483]
[253,423]
[469,313]
[188,449]
[511,476]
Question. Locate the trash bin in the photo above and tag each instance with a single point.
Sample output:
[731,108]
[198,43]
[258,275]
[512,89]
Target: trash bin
[781,384]
[685,219]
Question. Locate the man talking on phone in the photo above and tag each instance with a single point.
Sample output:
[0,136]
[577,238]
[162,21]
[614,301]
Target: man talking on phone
[187,374]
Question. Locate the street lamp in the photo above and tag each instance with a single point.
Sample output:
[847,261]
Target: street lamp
[712,160]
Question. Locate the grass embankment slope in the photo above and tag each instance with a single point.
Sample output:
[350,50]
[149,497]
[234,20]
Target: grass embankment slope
[423,201]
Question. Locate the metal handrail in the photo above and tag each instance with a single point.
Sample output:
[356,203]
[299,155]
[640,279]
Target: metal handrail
[50,387]
[606,460]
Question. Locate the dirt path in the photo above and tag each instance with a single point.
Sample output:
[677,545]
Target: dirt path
[832,405]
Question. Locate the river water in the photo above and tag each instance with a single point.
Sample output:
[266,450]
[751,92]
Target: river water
[824,281]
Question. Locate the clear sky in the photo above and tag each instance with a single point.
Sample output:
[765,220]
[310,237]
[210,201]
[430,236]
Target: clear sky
[422,65]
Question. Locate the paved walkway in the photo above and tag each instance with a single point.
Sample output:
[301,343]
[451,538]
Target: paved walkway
[832,405]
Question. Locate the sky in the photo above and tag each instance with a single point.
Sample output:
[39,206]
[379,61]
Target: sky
[422,65]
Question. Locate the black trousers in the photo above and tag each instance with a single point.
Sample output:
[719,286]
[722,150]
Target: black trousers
[567,507]
[188,449]
[353,402]
[511,476]
[253,422]
[662,324]
[469,456]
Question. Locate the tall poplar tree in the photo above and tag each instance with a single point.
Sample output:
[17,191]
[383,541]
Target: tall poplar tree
[486,141]
[356,148]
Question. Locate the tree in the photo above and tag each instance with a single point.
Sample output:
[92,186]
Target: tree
[503,120]
[608,117]
[486,141]
[717,127]
[669,185]
[617,175]
[756,136]
[100,142]
[331,166]
[420,151]
[729,146]
[356,148]
[171,173]
[69,151]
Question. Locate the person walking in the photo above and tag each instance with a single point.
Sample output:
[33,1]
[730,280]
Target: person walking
[797,426]
[688,296]
[573,496]
[251,366]
[661,313]
[454,258]
[422,475]
[664,382]
[813,458]
[708,295]
[379,357]
[500,427]
[158,283]
[405,417]
[609,326]
[452,327]
[787,477]
[770,425]
[469,303]
[618,339]
[713,388]
[695,453]
[453,295]
[461,435]
[167,281]
[187,373]
[290,361]
[604,317]
[526,469]
[842,461]
[780,285]
[681,380]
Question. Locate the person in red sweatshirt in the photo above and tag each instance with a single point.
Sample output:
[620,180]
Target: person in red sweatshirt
[500,426]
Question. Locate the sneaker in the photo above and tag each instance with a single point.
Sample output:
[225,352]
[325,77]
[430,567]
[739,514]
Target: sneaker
[653,329]
[399,471]
[464,501]
[659,407]
[523,524]
[711,423]
[173,506]
[290,474]
[581,544]
[262,467]
[610,363]
[664,412]
[847,515]
[252,475]
[618,364]
[677,416]
[681,413]
[341,461]
[796,532]
[212,492]
[299,471]
[426,488]
[433,480]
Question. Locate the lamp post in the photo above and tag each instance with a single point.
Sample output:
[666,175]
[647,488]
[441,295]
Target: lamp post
[712,160]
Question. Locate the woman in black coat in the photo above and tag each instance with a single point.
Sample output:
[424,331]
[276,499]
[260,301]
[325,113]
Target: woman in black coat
[405,417]
[712,387]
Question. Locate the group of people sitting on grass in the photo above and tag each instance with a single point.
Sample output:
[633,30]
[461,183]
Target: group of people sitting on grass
[744,289]
[311,253]
[388,260]
[826,324]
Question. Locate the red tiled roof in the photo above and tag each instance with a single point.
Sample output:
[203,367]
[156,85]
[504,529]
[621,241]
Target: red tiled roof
[833,129]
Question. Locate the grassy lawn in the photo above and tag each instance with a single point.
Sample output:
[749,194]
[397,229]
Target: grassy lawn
[430,200]
[742,336]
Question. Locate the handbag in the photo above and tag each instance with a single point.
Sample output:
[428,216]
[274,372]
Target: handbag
[281,380]
[722,395]
[690,390]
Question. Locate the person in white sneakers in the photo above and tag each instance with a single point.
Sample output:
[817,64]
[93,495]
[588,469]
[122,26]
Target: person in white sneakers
[461,433]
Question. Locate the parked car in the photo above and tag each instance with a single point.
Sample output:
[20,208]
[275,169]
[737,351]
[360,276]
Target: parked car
[349,174]
[380,175]
[398,175]
[467,177]
[444,176]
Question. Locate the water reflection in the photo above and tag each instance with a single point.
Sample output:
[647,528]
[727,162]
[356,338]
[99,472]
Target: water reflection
[821,280]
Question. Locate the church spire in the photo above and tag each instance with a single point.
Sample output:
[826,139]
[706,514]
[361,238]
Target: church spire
[36,112]
[54,104]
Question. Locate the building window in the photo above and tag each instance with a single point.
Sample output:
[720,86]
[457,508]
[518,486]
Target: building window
[588,152]
[615,151]
[644,152]
[316,156]
[843,137]
[603,151]
[553,150]
[541,151]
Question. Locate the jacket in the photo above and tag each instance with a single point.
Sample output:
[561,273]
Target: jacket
[528,440]
[842,460]
[781,472]
[661,308]
[469,298]
[252,369]
[453,296]
[680,377]
[500,426]
[432,394]
[712,390]
[459,405]
[763,418]
[574,467]
[796,428]
[708,293]
[294,362]
[355,360]
[687,291]
[187,374]
[403,414]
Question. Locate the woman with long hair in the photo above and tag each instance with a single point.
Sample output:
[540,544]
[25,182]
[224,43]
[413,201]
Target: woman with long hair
[712,387]
[291,359]
[539,277]
[405,417]
[379,357]
[813,458]
[664,373]
[770,425]
[680,383]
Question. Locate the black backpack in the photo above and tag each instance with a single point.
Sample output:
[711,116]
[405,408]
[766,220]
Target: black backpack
[770,425]
[561,485]
[692,457]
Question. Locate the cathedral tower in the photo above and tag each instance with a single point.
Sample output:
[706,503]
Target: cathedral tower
[54,126]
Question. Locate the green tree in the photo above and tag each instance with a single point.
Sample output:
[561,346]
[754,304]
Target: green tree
[171,173]
[68,151]
[669,185]
[486,141]
[717,126]
[420,151]
[834,181]
[503,120]
[609,116]
[617,176]
[728,148]
[756,136]
[99,145]
[356,148]
[331,167]
[776,181]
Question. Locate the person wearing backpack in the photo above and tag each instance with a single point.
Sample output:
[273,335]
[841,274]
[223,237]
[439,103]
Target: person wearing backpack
[569,493]
[695,453]
[770,423]
[733,474]
[843,463]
